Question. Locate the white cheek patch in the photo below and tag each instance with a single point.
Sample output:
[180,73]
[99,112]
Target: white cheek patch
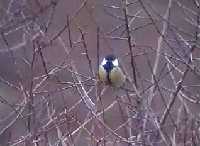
[103,62]
[115,62]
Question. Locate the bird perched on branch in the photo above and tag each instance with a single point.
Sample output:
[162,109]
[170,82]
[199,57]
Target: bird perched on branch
[110,73]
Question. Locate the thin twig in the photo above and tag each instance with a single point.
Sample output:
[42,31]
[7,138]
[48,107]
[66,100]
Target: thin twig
[133,65]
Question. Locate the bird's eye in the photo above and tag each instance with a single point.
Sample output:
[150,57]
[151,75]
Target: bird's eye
[115,62]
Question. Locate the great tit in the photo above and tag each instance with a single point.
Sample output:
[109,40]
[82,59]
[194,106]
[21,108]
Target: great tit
[110,72]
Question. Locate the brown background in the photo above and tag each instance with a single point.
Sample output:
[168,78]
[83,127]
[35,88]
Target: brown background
[28,23]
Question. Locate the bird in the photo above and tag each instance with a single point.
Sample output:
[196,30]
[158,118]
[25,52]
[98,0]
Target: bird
[110,72]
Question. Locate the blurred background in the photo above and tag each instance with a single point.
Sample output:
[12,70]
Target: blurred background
[49,89]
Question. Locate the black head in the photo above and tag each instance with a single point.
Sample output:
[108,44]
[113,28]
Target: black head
[110,57]
[108,64]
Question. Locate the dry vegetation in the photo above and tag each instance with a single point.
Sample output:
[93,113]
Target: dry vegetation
[49,89]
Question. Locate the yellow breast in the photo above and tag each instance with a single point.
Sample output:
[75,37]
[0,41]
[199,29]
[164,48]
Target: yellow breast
[102,74]
[117,77]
